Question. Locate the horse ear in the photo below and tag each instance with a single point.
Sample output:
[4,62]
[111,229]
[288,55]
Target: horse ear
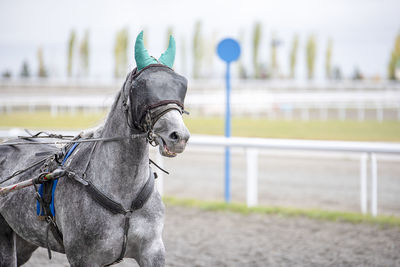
[142,57]
[168,57]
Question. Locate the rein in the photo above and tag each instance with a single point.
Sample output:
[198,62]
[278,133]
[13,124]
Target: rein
[72,141]
[59,136]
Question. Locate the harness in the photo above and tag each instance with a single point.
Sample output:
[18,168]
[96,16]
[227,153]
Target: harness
[46,192]
[151,113]
[45,199]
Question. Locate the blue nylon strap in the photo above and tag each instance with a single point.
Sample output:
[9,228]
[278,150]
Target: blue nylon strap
[69,153]
[53,189]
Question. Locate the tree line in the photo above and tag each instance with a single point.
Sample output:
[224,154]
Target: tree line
[203,50]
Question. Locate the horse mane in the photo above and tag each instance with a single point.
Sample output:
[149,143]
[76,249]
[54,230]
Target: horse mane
[96,131]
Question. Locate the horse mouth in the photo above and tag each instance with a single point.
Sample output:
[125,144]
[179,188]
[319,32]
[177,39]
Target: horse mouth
[164,150]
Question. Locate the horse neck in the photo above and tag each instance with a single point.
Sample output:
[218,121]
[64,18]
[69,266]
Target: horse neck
[121,167]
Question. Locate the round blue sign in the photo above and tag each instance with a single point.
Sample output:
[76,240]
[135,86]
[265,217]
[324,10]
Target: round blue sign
[228,50]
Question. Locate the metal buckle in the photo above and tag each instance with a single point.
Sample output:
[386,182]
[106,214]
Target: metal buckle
[150,137]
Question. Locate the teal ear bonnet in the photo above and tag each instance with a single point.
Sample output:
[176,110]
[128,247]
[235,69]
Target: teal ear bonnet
[143,59]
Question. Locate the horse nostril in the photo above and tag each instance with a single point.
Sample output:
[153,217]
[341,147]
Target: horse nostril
[174,136]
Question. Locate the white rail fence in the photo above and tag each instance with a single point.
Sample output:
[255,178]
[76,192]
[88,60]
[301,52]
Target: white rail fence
[368,150]
[303,105]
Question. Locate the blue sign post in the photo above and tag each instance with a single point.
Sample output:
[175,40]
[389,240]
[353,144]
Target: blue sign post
[228,50]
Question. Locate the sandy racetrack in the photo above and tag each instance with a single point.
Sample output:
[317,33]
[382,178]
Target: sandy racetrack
[203,238]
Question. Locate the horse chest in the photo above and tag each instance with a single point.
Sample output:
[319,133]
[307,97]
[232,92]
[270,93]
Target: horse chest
[87,225]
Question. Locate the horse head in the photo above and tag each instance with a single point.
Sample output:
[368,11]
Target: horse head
[156,99]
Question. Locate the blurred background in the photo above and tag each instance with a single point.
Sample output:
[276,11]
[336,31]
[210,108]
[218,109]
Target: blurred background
[326,70]
[309,70]
[315,70]
[281,40]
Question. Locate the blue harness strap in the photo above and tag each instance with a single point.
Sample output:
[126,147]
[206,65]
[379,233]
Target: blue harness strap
[39,209]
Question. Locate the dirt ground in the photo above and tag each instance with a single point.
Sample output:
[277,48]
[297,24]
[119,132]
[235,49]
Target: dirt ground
[203,238]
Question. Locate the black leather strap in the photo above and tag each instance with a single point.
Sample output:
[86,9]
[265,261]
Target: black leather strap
[124,241]
[104,201]
[116,207]
[157,112]
[144,194]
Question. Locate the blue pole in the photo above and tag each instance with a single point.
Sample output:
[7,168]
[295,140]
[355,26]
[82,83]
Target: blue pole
[228,134]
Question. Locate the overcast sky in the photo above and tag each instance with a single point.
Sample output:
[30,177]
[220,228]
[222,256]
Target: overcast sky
[363,31]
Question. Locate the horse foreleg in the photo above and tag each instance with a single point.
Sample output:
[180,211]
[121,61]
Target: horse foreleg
[24,250]
[8,253]
[152,254]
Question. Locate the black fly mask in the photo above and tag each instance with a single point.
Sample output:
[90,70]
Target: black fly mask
[153,91]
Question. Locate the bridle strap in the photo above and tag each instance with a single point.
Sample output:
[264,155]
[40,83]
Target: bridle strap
[158,112]
[151,113]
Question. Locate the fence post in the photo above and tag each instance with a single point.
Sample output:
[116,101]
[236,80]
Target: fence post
[361,112]
[252,173]
[342,113]
[374,185]
[305,115]
[379,113]
[323,113]
[31,107]
[272,114]
[363,183]
[160,178]
[398,114]
[53,110]
[8,108]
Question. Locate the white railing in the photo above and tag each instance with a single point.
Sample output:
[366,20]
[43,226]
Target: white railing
[368,150]
[300,104]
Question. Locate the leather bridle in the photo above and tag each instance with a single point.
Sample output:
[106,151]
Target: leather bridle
[152,113]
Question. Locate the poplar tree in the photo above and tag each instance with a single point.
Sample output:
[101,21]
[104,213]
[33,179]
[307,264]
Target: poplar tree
[197,50]
[328,60]
[293,56]
[183,55]
[274,56]
[394,59]
[6,74]
[241,68]
[25,72]
[70,54]
[42,73]
[170,32]
[310,56]
[256,46]
[84,54]
[121,53]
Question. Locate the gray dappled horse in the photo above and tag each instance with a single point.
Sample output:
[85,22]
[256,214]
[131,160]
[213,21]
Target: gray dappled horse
[148,108]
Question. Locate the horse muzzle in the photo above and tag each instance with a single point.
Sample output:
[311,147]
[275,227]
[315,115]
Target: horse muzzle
[172,144]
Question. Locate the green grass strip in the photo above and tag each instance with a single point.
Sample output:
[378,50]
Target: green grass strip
[335,216]
[44,120]
[320,130]
[388,131]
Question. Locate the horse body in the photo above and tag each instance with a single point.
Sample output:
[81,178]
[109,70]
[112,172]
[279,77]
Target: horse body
[120,169]
[92,235]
